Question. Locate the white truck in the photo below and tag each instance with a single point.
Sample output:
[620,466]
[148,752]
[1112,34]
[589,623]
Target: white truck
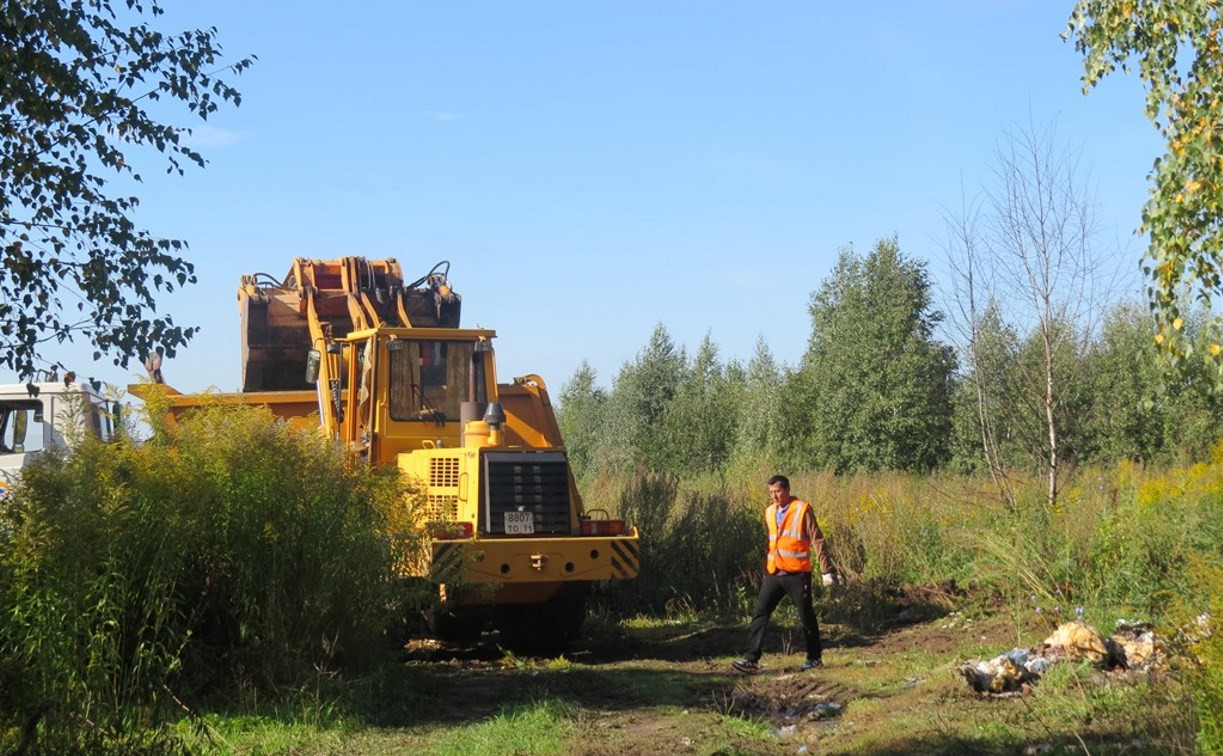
[35,417]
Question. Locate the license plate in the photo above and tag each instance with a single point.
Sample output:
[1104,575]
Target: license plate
[519,523]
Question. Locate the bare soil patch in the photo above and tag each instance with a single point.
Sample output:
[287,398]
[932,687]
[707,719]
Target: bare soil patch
[937,637]
[791,700]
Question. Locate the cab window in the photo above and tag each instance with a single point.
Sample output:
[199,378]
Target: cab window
[429,379]
[21,427]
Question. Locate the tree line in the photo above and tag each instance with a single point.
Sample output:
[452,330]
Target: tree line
[878,389]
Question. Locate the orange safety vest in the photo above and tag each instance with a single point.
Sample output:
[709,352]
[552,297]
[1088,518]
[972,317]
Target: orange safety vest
[789,546]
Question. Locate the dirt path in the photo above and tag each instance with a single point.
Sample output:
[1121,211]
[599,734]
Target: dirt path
[670,689]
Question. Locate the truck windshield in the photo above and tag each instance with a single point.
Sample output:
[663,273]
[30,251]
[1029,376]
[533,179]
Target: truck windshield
[20,426]
[429,379]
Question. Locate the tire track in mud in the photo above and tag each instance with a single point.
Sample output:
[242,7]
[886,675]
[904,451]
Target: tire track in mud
[795,699]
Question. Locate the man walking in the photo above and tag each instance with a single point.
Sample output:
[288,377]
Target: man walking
[793,533]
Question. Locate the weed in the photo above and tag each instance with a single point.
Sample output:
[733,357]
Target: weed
[749,728]
[1194,624]
[559,664]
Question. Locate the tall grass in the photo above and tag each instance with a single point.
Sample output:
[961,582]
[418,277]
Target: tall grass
[698,549]
[1119,538]
[231,551]
[1122,541]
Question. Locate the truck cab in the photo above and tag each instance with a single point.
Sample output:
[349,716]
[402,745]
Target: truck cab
[35,417]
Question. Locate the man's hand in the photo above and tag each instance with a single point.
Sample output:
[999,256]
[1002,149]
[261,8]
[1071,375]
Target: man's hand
[829,578]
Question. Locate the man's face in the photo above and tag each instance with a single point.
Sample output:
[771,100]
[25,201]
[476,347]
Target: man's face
[779,494]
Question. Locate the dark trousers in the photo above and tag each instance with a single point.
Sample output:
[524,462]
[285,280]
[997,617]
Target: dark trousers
[798,587]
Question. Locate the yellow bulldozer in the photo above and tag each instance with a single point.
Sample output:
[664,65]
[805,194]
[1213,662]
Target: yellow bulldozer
[381,364]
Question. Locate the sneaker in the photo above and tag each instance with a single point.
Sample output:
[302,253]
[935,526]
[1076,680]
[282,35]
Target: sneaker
[811,664]
[746,666]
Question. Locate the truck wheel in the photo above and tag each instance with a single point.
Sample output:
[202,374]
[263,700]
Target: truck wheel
[541,628]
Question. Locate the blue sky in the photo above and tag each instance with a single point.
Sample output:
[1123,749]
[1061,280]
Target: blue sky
[592,169]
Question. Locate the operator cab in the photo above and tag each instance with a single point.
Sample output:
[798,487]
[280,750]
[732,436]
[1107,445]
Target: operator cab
[386,391]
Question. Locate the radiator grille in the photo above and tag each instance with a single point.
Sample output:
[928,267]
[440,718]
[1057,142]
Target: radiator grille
[443,508]
[528,481]
[443,500]
[444,472]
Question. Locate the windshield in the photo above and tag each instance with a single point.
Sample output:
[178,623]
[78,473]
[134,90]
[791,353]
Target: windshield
[429,379]
[21,426]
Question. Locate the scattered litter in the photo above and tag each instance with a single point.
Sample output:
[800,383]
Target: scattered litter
[1081,641]
[825,710]
[1201,629]
[1038,748]
[954,620]
[998,675]
[1132,647]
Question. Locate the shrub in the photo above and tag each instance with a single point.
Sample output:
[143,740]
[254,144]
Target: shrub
[231,548]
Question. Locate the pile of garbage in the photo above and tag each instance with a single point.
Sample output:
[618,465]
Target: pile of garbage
[1132,647]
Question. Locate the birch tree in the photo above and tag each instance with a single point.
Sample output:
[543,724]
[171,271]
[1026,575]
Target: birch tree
[77,83]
